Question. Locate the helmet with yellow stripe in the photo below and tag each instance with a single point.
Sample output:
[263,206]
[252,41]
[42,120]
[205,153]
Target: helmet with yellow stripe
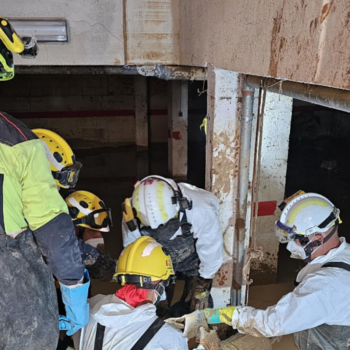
[64,167]
[144,263]
[156,200]
[304,214]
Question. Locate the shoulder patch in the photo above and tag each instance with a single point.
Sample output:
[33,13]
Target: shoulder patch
[13,131]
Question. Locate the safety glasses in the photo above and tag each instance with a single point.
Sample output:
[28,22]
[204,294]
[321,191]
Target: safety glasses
[284,233]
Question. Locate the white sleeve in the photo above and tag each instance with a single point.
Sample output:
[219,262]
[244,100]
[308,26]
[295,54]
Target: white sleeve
[129,236]
[315,301]
[207,230]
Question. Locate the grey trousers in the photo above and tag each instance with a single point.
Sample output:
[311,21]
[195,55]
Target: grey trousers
[28,302]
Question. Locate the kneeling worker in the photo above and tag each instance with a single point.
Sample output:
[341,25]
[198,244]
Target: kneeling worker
[317,311]
[127,320]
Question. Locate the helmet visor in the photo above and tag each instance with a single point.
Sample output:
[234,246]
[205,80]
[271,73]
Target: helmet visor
[284,233]
[68,177]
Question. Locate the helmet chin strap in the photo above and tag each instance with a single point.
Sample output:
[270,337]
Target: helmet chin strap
[309,248]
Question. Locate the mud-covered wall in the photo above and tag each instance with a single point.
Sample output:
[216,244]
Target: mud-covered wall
[305,41]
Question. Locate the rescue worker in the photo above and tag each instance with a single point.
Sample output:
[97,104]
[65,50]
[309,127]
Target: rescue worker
[127,320]
[65,170]
[91,218]
[34,222]
[317,311]
[10,43]
[183,218]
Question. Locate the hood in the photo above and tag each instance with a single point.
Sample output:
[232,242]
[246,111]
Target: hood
[113,312]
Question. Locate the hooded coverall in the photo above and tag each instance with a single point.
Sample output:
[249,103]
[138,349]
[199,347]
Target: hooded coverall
[32,214]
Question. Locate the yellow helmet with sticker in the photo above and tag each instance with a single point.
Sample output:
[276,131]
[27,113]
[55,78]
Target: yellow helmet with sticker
[88,210]
[143,263]
[65,169]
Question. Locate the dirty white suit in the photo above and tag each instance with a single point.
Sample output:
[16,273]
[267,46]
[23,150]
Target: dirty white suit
[125,325]
[206,229]
[317,311]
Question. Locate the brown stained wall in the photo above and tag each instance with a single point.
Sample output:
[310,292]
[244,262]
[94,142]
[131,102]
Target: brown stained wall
[305,41]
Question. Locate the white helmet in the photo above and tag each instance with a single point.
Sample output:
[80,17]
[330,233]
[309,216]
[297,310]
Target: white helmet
[305,214]
[156,200]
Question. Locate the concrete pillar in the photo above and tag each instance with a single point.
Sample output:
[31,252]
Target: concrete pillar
[222,161]
[270,192]
[177,129]
[141,126]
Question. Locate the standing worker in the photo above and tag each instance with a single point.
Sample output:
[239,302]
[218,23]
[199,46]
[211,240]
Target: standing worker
[183,219]
[317,311]
[127,320]
[31,208]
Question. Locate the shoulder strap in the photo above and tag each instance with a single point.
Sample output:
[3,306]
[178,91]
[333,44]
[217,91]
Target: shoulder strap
[341,265]
[148,335]
[100,333]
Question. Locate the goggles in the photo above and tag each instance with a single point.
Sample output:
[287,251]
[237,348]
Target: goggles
[68,177]
[97,219]
[285,233]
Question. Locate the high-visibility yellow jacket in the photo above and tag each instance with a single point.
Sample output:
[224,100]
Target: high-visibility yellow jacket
[29,199]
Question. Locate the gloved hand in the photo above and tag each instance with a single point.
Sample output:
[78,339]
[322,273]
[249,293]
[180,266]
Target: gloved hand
[201,318]
[199,293]
[190,323]
[208,340]
[103,268]
[76,305]
[224,315]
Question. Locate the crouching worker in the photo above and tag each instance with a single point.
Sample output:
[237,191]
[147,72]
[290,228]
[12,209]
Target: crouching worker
[127,320]
[91,218]
[184,219]
[317,311]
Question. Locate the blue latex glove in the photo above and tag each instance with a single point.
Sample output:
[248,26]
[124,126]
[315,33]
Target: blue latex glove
[77,306]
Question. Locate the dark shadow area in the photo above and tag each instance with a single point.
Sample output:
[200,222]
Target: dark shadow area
[318,161]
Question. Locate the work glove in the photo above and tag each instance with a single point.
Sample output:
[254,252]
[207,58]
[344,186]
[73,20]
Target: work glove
[76,305]
[104,268]
[208,340]
[199,294]
[191,323]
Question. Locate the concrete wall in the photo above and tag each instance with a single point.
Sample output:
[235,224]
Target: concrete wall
[96,109]
[296,40]
[109,32]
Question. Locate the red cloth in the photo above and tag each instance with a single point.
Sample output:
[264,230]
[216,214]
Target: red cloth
[130,294]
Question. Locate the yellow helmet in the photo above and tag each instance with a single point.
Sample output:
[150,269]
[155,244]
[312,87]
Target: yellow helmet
[65,169]
[87,210]
[144,263]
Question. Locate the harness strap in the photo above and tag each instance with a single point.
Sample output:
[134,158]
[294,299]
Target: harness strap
[100,333]
[340,265]
[148,335]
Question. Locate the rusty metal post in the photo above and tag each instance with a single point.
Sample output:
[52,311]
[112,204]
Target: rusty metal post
[241,229]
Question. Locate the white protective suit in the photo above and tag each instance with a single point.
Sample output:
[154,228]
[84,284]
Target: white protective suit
[125,325]
[322,297]
[206,229]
